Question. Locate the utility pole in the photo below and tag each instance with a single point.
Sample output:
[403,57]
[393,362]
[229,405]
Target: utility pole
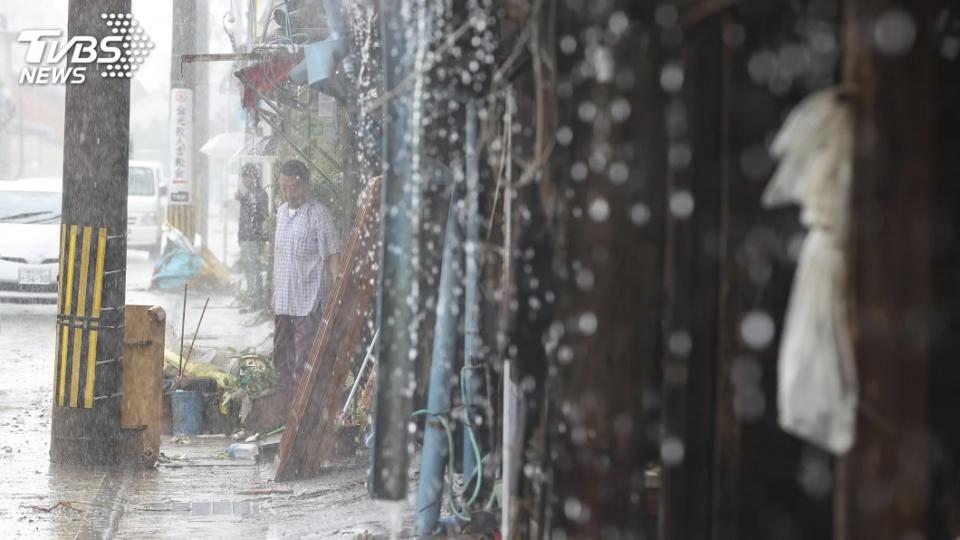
[87,392]
[189,95]
[201,118]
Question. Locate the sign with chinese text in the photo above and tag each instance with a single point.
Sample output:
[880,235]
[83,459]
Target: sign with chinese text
[181,145]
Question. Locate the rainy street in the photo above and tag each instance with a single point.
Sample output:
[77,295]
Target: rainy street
[198,493]
[480,269]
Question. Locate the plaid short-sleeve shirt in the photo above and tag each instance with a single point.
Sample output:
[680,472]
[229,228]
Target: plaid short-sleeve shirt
[304,242]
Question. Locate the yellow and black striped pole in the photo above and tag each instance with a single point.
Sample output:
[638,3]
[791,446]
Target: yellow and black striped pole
[78,331]
[89,341]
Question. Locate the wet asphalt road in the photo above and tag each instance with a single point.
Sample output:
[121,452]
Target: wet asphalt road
[197,493]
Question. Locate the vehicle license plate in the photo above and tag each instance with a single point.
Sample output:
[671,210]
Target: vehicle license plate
[34,276]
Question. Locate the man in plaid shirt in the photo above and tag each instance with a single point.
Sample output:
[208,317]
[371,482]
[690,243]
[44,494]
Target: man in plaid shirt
[306,262]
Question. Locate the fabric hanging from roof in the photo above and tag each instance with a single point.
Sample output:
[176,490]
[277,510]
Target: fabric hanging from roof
[264,78]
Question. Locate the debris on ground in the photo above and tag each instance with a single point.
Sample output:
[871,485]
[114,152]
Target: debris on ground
[47,510]
[183,264]
[266,491]
[243,450]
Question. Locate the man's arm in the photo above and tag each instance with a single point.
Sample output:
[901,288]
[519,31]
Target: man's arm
[327,241]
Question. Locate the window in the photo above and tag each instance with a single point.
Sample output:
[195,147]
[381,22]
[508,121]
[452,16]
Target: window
[29,206]
[141,182]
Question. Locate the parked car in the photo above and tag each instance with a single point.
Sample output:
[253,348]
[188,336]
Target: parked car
[29,240]
[146,192]
[30,230]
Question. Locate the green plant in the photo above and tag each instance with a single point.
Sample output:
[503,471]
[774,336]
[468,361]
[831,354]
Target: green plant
[257,376]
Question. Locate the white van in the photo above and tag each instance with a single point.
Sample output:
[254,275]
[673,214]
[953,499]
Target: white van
[147,193]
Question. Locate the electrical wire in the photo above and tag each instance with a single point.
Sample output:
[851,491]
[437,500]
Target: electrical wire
[461,512]
[470,435]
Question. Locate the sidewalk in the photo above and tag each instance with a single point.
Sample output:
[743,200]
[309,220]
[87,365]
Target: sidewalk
[197,492]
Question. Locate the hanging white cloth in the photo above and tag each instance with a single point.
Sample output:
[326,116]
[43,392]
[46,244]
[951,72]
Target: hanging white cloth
[817,383]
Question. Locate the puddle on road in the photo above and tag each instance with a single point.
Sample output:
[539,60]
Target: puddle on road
[209,508]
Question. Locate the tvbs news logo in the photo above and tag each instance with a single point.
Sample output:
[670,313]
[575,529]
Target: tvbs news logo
[118,55]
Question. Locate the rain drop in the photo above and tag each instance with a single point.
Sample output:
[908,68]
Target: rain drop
[666,15]
[894,33]
[585,279]
[639,214]
[814,476]
[620,110]
[761,66]
[671,451]
[757,330]
[565,355]
[734,35]
[680,343]
[574,509]
[603,64]
[619,23]
[619,172]
[749,404]
[587,111]
[568,44]
[579,171]
[679,156]
[587,323]
[755,162]
[671,77]
[681,204]
[599,209]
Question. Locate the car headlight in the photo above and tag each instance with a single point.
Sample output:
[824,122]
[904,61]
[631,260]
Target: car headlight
[149,218]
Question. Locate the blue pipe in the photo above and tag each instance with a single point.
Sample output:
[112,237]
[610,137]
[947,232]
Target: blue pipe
[398,301]
[442,372]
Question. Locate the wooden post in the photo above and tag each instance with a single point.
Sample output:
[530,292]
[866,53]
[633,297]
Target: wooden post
[143,382]
[691,288]
[883,486]
[607,272]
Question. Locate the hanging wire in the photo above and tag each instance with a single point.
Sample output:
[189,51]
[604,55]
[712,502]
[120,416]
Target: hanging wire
[459,508]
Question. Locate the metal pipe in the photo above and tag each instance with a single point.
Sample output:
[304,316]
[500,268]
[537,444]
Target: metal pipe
[511,392]
[511,446]
[356,383]
[398,303]
[472,374]
[442,372]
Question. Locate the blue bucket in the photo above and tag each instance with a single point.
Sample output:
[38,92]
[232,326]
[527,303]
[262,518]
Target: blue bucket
[186,408]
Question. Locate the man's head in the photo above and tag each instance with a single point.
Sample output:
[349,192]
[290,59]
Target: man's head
[250,175]
[295,183]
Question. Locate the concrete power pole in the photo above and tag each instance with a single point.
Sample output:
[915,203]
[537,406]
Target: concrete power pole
[189,97]
[87,392]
